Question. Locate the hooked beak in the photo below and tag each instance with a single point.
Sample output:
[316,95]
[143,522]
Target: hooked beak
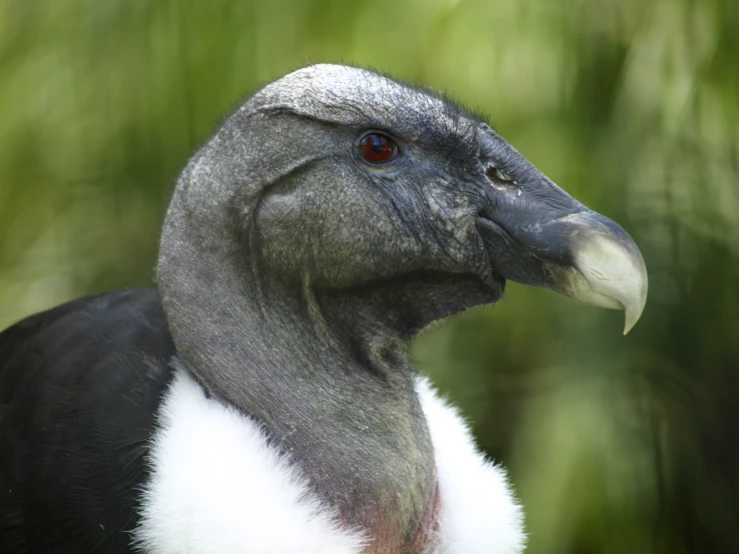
[536,234]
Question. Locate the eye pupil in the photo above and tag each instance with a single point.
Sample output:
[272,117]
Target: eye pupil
[377,148]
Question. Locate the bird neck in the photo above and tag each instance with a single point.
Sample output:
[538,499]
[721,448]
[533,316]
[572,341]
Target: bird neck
[323,371]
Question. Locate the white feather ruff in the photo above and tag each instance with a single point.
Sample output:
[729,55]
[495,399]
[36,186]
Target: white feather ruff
[218,487]
[479,514]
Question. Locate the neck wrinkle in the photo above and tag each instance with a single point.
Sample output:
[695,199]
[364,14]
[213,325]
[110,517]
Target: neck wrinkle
[284,356]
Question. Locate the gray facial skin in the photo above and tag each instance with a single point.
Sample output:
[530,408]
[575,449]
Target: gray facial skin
[294,274]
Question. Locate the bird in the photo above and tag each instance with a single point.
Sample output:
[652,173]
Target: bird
[260,398]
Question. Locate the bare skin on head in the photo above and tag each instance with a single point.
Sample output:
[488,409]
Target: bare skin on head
[294,273]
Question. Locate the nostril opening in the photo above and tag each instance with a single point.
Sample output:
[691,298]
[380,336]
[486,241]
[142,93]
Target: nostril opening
[499,178]
[497,175]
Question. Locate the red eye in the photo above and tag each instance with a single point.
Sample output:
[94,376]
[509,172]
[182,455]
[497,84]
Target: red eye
[376,148]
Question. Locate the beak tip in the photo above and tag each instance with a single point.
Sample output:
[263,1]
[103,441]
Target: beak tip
[608,271]
[630,320]
[633,312]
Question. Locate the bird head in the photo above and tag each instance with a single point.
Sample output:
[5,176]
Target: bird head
[344,179]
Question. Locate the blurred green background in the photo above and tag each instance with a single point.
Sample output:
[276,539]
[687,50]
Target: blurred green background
[615,444]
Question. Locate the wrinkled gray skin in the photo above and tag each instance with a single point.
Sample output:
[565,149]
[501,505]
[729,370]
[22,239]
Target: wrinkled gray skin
[294,274]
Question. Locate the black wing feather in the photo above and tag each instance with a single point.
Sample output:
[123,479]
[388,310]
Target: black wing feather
[79,387]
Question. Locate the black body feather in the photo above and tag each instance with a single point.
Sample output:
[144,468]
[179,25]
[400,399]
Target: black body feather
[79,387]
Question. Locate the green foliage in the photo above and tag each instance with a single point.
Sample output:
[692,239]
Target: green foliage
[615,444]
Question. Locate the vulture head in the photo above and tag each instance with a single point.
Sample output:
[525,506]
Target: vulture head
[333,216]
[338,178]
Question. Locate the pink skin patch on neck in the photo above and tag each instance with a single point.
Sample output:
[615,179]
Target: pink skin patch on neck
[427,532]
[385,537]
